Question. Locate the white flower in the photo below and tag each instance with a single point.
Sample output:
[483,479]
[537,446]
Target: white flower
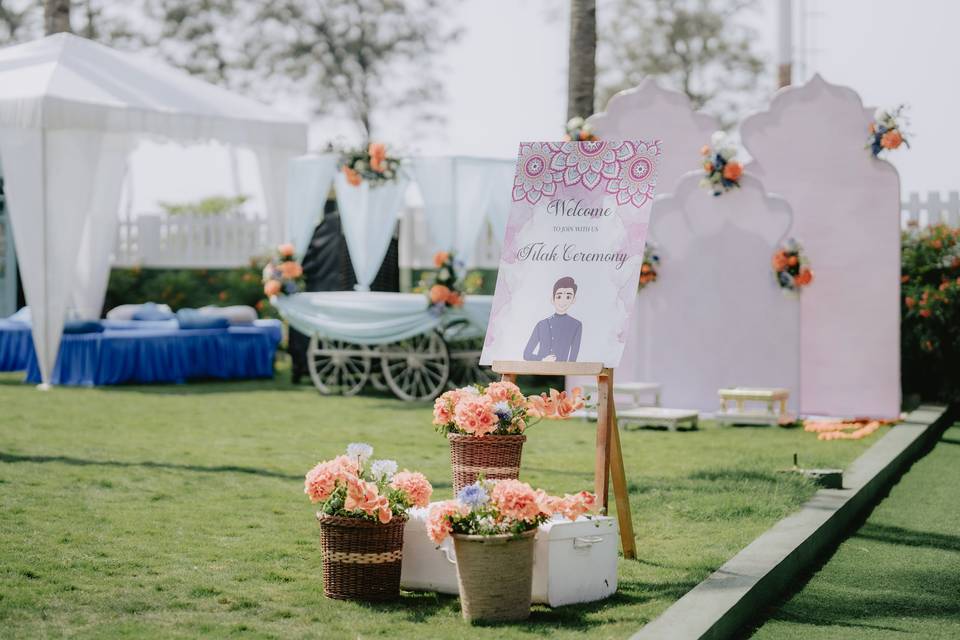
[727,153]
[359,451]
[575,123]
[472,390]
[444,274]
[717,139]
[880,114]
[383,469]
[587,127]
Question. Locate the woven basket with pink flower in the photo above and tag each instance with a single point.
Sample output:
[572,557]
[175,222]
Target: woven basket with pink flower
[485,426]
[362,506]
[493,524]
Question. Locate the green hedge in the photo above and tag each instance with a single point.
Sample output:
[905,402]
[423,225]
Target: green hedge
[194,288]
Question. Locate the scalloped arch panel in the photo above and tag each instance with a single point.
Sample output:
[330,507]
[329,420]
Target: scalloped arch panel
[650,112]
[809,148]
[715,317]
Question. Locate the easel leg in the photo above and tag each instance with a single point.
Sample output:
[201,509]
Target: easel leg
[601,469]
[620,494]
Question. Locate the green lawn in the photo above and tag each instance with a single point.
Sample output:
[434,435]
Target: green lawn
[179,511]
[899,575]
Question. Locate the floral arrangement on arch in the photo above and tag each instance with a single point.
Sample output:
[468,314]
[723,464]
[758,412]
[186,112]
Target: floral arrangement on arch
[648,269]
[282,274]
[371,164]
[500,409]
[721,171]
[489,508]
[886,132]
[446,287]
[791,267]
[349,487]
[579,129]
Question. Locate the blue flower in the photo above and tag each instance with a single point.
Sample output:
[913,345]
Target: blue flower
[473,496]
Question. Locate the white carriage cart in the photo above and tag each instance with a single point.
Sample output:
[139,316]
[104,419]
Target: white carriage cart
[391,341]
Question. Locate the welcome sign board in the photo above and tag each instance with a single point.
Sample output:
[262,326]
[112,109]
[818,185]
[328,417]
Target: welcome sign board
[573,249]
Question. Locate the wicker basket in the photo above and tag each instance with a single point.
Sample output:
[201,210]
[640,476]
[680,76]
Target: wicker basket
[361,558]
[496,457]
[495,576]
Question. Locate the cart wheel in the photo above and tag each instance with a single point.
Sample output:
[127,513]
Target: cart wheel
[465,367]
[416,368]
[337,366]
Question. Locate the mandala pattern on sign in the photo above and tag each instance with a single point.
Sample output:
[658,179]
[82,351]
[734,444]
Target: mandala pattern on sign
[637,175]
[534,177]
[585,162]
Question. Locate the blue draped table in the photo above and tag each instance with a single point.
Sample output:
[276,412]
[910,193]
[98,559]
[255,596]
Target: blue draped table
[160,355]
[16,345]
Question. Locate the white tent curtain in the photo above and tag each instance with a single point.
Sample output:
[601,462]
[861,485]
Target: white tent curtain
[273,163]
[308,183]
[460,194]
[69,110]
[437,181]
[100,230]
[368,215]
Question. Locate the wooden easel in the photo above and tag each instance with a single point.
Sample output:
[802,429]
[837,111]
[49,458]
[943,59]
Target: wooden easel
[609,457]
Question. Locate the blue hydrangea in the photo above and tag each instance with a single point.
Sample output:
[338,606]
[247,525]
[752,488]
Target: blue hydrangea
[473,496]
[503,411]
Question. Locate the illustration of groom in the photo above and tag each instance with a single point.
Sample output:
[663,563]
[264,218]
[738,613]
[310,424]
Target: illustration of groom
[557,338]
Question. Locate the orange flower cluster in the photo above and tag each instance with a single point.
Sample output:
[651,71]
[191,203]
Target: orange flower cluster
[371,164]
[844,429]
[440,293]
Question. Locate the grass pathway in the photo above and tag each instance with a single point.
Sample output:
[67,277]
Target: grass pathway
[178,512]
[899,575]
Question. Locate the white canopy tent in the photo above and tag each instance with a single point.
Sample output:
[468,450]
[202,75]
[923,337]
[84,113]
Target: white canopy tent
[71,110]
[459,195]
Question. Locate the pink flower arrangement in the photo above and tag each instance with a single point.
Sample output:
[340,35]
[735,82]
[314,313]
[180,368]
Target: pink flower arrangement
[348,487]
[502,507]
[415,485]
[282,274]
[500,408]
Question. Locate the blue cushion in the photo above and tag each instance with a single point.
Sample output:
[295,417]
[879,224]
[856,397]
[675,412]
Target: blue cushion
[150,311]
[193,319]
[83,326]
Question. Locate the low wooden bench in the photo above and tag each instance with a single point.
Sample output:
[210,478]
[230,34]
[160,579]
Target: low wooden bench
[740,414]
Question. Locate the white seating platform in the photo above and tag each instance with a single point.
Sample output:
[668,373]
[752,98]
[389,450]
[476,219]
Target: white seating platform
[659,417]
[741,414]
[628,395]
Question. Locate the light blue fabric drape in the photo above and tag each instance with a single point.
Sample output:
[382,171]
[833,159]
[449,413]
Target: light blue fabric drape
[373,317]
[308,183]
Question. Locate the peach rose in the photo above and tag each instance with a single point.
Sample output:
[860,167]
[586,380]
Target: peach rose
[378,153]
[891,139]
[804,278]
[708,167]
[271,287]
[503,391]
[733,171]
[291,269]
[475,416]
[439,258]
[439,293]
[779,261]
[454,299]
[415,485]
[352,176]
[438,519]
[705,150]
[515,499]
[286,250]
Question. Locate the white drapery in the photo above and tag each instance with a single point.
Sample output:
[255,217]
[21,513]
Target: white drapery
[368,215]
[460,194]
[70,111]
[308,184]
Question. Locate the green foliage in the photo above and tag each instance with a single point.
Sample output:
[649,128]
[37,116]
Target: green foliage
[178,511]
[700,47]
[191,288]
[212,206]
[930,307]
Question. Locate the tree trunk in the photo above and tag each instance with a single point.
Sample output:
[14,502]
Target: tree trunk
[56,16]
[582,69]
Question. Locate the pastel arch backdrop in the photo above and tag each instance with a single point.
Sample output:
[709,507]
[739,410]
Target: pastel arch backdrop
[809,148]
[650,112]
[715,317]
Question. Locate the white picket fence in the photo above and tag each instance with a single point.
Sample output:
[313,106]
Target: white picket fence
[212,241]
[917,212]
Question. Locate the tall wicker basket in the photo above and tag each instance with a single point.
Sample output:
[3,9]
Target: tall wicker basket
[361,558]
[496,457]
[495,576]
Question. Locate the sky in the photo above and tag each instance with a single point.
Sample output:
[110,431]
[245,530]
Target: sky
[505,81]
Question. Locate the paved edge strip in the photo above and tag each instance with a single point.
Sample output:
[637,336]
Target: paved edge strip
[724,604]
